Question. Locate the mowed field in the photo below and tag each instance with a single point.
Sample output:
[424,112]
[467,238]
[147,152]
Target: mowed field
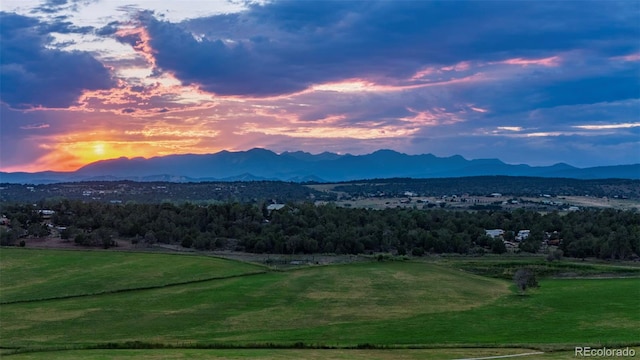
[196,301]
[36,274]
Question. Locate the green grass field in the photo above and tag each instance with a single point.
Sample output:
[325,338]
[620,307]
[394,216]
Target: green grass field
[394,304]
[288,354]
[42,274]
[295,354]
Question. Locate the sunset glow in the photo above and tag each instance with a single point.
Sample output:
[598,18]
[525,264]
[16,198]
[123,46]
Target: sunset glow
[98,149]
[104,81]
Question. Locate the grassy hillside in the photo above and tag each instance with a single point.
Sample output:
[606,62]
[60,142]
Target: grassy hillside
[388,303]
[29,274]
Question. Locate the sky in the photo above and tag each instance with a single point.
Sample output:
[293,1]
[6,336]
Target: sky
[535,82]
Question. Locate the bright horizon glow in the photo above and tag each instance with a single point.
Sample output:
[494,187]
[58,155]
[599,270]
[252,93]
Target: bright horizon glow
[152,78]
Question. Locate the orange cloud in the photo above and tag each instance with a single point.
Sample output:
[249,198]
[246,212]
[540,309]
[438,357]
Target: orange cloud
[141,45]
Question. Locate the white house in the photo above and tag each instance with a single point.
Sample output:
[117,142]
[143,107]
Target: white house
[523,235]
[494,233]
[272,207]
[46,214]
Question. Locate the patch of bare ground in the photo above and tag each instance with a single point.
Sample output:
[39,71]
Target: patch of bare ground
[289,261]
[276,261]
[58,243]
[590,201]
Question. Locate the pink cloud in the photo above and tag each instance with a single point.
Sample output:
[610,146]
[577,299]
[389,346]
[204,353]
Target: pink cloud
[548,62]
[424,73]
[461,66]
[478,109]
[630,57]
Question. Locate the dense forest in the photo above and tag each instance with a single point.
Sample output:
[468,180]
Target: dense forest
[306,228]
[256,191]
[159,192]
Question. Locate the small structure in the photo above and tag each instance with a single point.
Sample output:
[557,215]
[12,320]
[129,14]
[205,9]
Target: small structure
[272,207]
[495,233]
[510,246]
[523,235]
[46,214]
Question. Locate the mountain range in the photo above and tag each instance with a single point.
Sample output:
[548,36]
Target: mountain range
[261,164]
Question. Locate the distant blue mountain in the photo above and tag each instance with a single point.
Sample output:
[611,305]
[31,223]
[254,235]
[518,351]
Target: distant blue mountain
[261,164]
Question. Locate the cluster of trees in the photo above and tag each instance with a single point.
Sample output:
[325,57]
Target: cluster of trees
[525,278]
[484,185]
[158,192]
[306,228]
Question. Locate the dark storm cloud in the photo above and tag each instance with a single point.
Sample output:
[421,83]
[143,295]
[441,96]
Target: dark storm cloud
[618,85]
[565,85]
[283,47]
[33,74]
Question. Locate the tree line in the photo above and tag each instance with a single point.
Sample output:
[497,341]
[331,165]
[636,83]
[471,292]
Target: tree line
[485,185]
[306,228]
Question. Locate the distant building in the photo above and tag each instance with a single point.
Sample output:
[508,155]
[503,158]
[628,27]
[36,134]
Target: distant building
[510,246]
[523,235]
[272,207]
[494,233]
[46,214]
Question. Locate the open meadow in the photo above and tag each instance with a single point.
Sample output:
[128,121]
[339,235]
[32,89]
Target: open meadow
[35,275]
[146,305]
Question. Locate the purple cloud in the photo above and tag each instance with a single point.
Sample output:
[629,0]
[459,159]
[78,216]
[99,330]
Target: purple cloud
[285,46]
[32,74]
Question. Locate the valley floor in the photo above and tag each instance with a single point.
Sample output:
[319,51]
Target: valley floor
[105,304]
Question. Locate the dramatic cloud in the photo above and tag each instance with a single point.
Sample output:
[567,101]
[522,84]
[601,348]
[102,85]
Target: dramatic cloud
[535,82]
[285,47]
[35,75]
